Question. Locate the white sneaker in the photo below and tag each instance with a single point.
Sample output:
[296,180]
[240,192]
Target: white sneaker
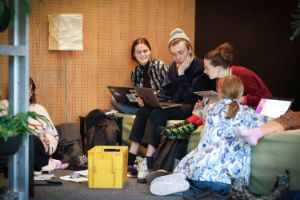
[171,177]
[169,184]
[142,169]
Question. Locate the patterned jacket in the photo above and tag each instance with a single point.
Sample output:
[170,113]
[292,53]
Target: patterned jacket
[219,150]
[157,73]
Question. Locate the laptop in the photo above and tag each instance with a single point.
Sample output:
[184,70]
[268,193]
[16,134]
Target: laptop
[124,95]
[150,99]
[273,107]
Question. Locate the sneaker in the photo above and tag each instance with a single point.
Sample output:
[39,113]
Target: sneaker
[179,133]
[169,184]
[152,175]
[131,171]
[142,169]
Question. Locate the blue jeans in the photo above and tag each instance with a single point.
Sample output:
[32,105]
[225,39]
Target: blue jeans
[200,186]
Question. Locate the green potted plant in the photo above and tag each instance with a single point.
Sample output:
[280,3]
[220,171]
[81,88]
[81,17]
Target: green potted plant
[7,12]
[296,23]
[13,128]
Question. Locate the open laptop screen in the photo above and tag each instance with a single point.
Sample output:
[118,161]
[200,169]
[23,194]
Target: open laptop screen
[273,107]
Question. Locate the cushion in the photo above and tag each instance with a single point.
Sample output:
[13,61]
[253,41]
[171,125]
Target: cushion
[273,154]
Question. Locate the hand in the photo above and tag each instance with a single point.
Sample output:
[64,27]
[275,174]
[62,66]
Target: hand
[241,100]
[198,105]
[45,142]
[140,101]
[183,66]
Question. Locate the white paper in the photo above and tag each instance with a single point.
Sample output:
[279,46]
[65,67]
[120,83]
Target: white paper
[44,177]
[84,173]
[77,180]
[65,31]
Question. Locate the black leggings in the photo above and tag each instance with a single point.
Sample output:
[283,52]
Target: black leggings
[41,158]
[145,129]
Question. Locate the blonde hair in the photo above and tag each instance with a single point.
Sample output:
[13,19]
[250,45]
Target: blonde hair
[231,87]
[187,44]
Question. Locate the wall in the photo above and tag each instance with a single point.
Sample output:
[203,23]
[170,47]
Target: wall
[109,28]
[259,32]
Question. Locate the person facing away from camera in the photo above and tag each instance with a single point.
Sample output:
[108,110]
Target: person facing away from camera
[219,152]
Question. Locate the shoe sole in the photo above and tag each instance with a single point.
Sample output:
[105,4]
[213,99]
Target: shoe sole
[162,188]
[171,178]
[131,176]
[141,180]
[153,175]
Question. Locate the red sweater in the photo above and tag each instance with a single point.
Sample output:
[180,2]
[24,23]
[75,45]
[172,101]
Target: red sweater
[254,87]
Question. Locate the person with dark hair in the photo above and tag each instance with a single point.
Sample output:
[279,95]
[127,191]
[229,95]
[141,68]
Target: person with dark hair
[149,72]
[219,152]
[184,77]
[218,63]
[46,141]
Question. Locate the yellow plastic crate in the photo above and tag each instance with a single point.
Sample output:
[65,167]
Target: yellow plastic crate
[107,166]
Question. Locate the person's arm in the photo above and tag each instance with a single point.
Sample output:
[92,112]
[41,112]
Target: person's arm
[181,88]
[254,87]
[161,72]
[48,129]
[166,90]
[194,79]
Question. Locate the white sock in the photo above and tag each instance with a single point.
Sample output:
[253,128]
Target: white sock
[251,136]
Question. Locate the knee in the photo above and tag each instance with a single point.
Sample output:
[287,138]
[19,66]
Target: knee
[142,112]
[156,113]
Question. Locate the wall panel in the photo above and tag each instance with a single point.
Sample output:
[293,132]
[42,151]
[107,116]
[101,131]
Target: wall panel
[109,28]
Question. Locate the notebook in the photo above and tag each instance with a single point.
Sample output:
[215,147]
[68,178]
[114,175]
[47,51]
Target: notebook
[124,95]
[150,99]
[273,107]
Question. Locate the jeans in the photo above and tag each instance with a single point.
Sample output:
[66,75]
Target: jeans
[200,186]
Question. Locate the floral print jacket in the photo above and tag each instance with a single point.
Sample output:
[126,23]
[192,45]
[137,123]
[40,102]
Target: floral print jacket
[219,151]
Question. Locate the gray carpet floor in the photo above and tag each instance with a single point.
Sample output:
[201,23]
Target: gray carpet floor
[73,191]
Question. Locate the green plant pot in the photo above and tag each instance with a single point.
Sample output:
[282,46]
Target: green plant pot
[11,146]
[4,17]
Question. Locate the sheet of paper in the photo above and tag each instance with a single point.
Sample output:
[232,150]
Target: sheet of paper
[77,180]
[206,93]
[84,173]
[44,177]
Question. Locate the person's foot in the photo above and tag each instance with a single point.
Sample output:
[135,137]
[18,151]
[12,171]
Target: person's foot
[152,175]
[281,186]
[179,133]
[131,171]
[251,136]
[169,184]
[179,124]
[142,169]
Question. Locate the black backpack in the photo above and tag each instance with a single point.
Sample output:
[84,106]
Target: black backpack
[101,129]
[69,144]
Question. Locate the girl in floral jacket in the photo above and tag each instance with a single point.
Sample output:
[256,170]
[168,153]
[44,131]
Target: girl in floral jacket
[219,151]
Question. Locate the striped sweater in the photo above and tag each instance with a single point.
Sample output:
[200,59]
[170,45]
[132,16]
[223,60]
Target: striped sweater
[157,73]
